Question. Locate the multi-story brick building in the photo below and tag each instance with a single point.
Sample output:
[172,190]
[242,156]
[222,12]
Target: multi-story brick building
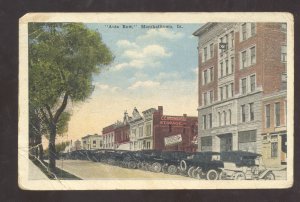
[174,132]
[122,131]
[239,65]
[154,130]
[108,134]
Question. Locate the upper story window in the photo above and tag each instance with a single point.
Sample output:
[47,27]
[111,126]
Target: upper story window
[211,50]
[251,110]
[204,122]
[232,64]
[253,55]
[208,75]
[252,83]
[244,31]
[219,116]
[211,94]
[232,39]
[210,120]
[243,113]
[283,53]
[247,30]
[244,86]
[229,116]
[283,27]
[248,57]
[268,113]
[207,52]
[244,59]
[205,98]
[205,76]
[253,30]
[211,70]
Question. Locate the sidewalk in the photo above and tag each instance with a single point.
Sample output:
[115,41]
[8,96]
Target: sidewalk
[35,173]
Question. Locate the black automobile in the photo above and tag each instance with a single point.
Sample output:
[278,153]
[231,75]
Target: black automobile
[169,161]
[147,160]
[243,165]
[80,155]
[202,165]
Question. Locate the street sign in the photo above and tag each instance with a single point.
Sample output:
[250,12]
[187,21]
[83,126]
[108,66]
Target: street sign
[223,46]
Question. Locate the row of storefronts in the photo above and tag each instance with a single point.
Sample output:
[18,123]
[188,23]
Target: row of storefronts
[150,129]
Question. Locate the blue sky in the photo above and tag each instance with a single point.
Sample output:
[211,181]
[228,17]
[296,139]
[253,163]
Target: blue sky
[152,67]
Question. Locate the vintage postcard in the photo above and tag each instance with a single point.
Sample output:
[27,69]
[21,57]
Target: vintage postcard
[119,101]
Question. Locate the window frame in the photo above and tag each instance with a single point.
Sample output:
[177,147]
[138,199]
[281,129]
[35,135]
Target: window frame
[268,115]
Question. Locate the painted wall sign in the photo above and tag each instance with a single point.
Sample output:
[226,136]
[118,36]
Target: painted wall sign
[174,139]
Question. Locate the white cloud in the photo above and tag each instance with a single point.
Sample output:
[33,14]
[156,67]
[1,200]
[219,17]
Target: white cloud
[144,84]
[160,33]
[106,87]
[126,44]
[150,51]
[168,75]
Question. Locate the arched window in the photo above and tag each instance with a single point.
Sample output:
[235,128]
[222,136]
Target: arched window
[229,116]
[224,115]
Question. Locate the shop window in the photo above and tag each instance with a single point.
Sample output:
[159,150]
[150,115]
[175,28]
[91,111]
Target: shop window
[274,149]
[206,143]
[247,140]
[277,114]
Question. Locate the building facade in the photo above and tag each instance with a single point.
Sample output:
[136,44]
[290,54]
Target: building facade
[175,133]
[108,135]
[122,131]
[239,65]
[92,142]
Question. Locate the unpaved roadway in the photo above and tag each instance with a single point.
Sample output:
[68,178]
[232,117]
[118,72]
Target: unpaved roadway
[95,170]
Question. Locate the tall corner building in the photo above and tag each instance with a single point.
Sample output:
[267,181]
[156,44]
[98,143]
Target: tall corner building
[242,88]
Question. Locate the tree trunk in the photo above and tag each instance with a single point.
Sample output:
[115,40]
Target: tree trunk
[52,152]
[40,151]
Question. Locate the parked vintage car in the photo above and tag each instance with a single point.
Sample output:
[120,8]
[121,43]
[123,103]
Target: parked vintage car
[170,161]
[242,165]
[148,160]
[202,165]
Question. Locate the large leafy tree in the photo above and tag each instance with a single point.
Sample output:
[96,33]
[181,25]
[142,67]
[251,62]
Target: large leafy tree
[63,57]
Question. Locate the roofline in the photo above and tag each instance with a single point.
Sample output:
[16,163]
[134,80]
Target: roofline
[202,29]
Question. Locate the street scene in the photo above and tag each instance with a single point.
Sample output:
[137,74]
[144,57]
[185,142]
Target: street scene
[203,101]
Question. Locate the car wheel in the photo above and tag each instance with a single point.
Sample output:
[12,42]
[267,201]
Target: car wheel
[165,168]
[239,176]
[212,175]
[222,176]
[172,169]
[156,167]
[269,176]
[183,165]
[190,170]
[131,165]
[196,173]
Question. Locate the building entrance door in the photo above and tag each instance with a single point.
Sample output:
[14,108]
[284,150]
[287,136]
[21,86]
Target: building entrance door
[225,142]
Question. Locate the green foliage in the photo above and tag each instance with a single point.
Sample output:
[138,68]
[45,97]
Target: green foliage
[62,58]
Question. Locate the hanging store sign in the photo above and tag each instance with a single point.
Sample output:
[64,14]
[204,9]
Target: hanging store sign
[172,140]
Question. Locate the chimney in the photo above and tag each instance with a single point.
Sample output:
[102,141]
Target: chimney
[160,110]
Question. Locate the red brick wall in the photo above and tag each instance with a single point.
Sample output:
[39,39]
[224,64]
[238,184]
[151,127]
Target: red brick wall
[213,62]
[268,67]
[122,134]
[272,102]
[188,130]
